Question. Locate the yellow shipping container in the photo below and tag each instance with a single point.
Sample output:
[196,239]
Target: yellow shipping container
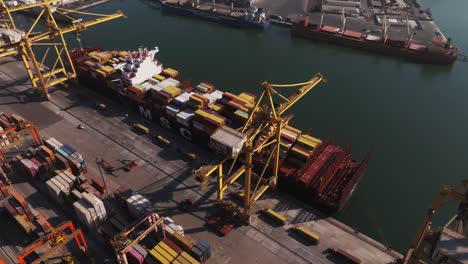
[123,54]
[159,77]
[93,53]
[174,91]
[101,73]
[216,108]
[158,257]
[182,260]
[163,253]
[292,130]
[300,152]
[108,69]
[172,71]
[189,258]
[311,138]
[168,249]
[249,98]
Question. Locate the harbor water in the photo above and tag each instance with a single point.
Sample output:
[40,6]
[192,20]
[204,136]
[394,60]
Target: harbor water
[412,116]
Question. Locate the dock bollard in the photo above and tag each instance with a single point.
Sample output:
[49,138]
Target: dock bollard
[162,140]
[187,154]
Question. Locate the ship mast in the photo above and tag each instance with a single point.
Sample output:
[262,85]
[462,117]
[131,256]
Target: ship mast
[385,28]
[343,17]
[321,20]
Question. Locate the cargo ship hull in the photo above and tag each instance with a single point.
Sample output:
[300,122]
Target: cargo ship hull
[311,169]
[417,54]
[212,16]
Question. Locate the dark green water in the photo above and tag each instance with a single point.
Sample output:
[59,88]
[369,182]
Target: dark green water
[414,116]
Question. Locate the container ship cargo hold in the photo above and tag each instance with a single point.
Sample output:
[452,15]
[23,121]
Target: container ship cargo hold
[440,51]
[316,171]
[253,18]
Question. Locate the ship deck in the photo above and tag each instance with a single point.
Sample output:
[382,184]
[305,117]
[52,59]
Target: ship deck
[166,178]
[297,9]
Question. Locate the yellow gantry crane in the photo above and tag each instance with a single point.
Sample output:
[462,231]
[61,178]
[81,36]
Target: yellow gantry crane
[426,236]
[263,129]
[15,41]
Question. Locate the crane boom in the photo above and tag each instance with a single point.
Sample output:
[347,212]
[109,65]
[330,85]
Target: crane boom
[42,78]
[444,194]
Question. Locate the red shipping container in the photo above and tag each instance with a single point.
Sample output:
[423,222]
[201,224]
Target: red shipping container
[61,161]
[172,245]
[98,184]
[9,208]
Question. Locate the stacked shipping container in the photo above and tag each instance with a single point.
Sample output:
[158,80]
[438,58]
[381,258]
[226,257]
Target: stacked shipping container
[206,115]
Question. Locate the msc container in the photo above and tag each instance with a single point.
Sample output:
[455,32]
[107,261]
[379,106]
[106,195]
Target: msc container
[227,141]
[307,234]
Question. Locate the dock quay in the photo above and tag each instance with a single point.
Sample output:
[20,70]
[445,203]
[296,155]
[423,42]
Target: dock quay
[165,177]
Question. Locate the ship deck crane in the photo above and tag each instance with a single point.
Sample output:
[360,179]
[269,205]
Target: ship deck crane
[447,194]
[25,43]
[263,129]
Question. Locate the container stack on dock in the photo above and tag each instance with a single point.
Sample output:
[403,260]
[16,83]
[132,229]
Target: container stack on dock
[58,169]
[203,114]
[16,206]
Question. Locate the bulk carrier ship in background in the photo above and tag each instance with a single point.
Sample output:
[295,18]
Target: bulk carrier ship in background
[311,169]
[244,18]
[439,52]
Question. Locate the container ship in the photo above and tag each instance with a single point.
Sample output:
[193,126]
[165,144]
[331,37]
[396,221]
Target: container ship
[440,52]
[250,18]
[314,170]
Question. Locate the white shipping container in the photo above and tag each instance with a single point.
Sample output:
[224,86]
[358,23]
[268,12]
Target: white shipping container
[77,194]
[53,191]
[65,179]
[169,230]
[62,184]
[168,82]
[177,228]
[185,116]
[97,204]
[227,141]
[58,143]
[172,110]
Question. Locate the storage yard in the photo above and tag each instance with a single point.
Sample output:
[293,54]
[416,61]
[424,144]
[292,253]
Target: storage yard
[164,176]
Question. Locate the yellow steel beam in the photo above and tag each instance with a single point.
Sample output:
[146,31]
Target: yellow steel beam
[276,150]
[252,112]
[29,6]
[234,177]
[220,182]
[247,178]
[258,195]
[302,91]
